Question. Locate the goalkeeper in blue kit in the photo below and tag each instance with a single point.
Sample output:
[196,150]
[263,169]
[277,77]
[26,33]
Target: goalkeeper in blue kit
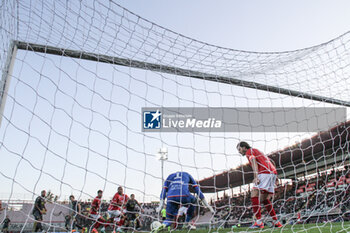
[176,191]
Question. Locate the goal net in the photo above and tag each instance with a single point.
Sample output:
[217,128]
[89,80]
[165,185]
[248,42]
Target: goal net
[94,97]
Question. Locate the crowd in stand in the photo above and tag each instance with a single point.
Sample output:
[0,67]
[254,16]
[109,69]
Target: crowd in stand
[323,197]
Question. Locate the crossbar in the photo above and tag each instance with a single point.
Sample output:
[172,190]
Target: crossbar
[173,70]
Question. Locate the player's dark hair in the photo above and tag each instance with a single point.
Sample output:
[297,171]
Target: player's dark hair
[71,196]
[99,191]
[243,144]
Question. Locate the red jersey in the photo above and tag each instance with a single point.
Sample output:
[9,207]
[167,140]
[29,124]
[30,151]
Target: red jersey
[95,205]
[118,201]
[264,164]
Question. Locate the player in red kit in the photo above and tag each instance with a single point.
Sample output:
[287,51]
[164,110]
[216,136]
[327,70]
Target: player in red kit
[95,212]
[265,176]
[116,208]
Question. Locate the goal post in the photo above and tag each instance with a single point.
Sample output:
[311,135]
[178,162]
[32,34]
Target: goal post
[6,76]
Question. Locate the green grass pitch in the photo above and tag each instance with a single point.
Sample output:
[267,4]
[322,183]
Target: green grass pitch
[340,227]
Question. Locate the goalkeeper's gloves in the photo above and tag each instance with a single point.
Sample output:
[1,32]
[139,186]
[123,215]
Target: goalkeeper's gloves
[208,206]
[160,207]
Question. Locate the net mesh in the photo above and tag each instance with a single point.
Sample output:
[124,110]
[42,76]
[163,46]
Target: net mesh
[73,126]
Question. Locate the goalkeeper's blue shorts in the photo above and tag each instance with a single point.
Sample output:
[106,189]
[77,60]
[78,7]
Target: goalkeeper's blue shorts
[173,204]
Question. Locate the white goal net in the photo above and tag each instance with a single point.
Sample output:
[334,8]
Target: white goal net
[77,76]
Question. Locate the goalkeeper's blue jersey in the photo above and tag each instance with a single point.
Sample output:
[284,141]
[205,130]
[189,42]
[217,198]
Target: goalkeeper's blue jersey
[177,185]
